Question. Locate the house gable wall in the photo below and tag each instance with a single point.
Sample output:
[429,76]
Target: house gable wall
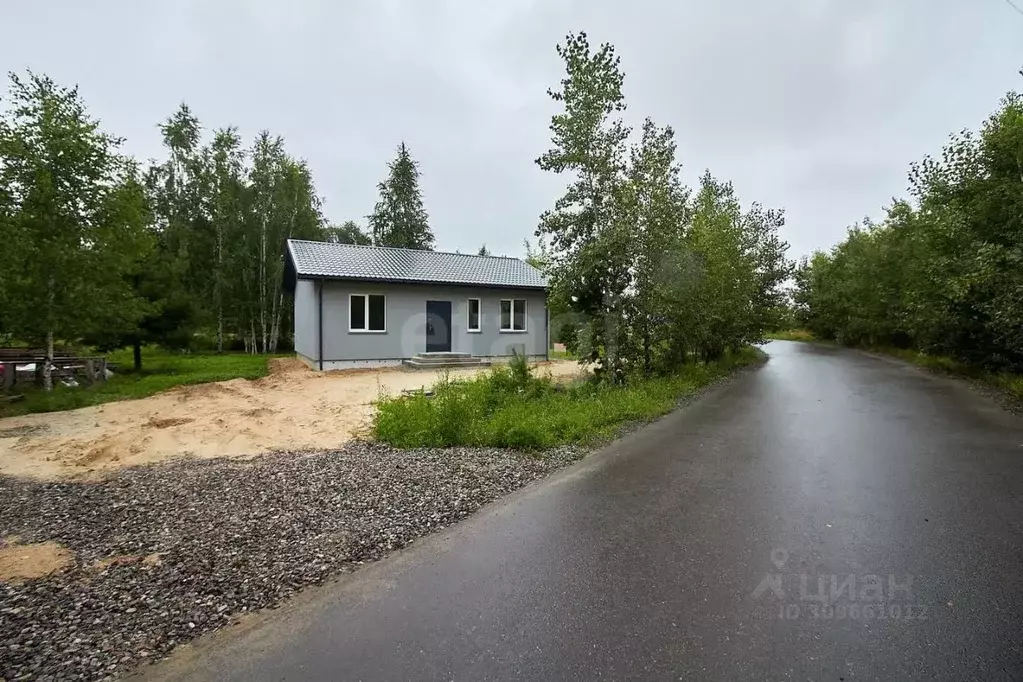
[306,319]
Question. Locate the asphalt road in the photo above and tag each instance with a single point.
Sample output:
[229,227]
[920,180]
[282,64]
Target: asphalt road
[707,546]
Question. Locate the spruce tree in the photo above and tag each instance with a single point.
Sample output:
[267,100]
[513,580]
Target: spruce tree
[399,218]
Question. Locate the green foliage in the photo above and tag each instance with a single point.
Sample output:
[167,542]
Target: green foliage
[347,232]
[589,231]
[520,371]
[511,407]
[284,206]
[399,218]
[568,334]
[648,274]
[96,250]
[539,256]
[943,273]
[222,214]
[72,218]
[790,335]
[163,370]
[1009,382]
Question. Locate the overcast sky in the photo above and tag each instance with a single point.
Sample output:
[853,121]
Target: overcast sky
[817,106]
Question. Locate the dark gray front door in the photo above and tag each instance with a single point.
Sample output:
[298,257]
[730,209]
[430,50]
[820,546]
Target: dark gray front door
[438,326]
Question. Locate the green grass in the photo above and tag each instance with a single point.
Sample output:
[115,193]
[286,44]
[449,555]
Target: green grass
[561,355]
[1011,383]
[160,370]
[511,407]
[790,335]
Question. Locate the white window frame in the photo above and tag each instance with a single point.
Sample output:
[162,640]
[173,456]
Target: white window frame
[479,316]
[365,318]
[511,318]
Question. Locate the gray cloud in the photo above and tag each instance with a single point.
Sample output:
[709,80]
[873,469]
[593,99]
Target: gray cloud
[814,105]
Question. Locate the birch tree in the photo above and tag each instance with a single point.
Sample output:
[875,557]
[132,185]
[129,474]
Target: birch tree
[74,216]
[226,199]
[298,217]
[661,214]
[264,182]
[589,226]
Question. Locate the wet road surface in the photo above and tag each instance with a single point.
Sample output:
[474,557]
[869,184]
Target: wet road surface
[829,516]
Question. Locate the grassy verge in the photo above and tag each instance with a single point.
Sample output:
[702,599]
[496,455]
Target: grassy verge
[790,335]
[161,370]
[511,407]
[1011,384]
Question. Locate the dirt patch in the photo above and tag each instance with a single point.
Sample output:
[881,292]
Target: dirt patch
[23,431]
[286,365]
[19,563]
[167,423]
[212,390]
[145,561]
[292,409]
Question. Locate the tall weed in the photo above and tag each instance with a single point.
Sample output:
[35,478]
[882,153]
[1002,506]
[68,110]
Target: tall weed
[512,407]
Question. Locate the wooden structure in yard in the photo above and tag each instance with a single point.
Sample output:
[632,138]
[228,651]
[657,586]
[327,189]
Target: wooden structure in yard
[21,364]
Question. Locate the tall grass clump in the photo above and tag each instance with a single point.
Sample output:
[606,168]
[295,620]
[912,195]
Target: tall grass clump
[512,406]
[790,335]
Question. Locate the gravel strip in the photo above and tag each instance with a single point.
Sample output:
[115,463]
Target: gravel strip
[203,541]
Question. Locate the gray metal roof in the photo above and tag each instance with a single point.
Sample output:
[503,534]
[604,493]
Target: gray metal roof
[386,264]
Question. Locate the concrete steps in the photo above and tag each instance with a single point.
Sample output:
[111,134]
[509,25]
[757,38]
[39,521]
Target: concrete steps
[443,360]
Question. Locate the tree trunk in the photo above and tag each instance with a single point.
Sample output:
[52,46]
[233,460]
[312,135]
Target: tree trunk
[274,326]
[278,294]
[137,355]
[646,350]
[218,283]
[48,364]
[262,284]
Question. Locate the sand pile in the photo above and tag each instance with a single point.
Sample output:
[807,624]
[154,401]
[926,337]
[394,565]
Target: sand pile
[293,408]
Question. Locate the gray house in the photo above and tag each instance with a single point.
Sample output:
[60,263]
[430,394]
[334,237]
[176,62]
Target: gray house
[372,306]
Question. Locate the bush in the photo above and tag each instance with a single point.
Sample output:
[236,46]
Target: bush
[568,335]
[512,407]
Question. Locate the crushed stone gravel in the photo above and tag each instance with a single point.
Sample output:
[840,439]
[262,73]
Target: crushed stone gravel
[168,552]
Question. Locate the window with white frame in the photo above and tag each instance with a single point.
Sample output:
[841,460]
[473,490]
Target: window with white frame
[473,323]
[513,315]
[366,313]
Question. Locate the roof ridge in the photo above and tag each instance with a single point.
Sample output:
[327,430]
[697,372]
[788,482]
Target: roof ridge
[356,261]
[401,248]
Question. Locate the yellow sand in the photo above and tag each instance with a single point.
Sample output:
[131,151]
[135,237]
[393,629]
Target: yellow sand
[21,562]
[293,408]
